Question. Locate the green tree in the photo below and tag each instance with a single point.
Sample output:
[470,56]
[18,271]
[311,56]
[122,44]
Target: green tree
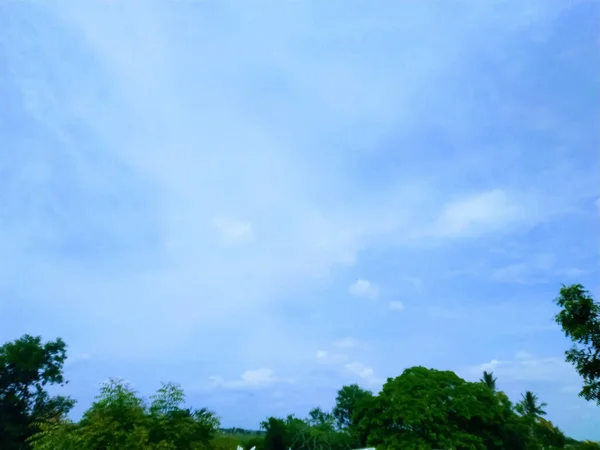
[276,437]
[489,380]
[579,319]
[426,408]
[347,402]
[119,419]
[182,428]
[587,445]
[320,419]
[258,442]
[547,435]
[316,433]
[530,405]
[226,442]
[364,418]
[27,367]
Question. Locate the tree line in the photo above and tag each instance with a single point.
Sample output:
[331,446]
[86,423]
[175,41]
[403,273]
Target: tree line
[420,409]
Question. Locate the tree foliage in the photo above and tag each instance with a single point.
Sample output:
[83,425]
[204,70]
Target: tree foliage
[579,319]
[27,367]
[347,402]
[531,406]
[277,435]
[120,419]
[421,409]
[426,408]
[489,380]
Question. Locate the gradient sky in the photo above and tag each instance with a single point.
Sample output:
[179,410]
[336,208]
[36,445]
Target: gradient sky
[265,200]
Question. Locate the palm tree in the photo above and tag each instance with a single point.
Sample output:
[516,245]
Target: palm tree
[530,405]
[489,380]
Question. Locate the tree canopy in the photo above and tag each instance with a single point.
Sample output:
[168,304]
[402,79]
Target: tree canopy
[348,399]
[27,367]
[579,319]
[427,408]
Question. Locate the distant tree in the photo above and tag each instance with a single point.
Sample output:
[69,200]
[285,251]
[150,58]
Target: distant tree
[347,402]
[530,406]
[320,419]
[276,437]
[316,433]
[489,380]
[27,367]
[548,435]
[226,442]
[170,422]
[579,319]
[120,419]
[258,442]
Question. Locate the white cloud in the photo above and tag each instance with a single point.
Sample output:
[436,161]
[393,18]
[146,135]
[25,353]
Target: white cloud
[365,373]
[360,369]
[326,357]
[523,355]
[396,306]
[489,366]
[479,213]
[257,378]
[232,231]
[347,342]
[365,289]
[527,367]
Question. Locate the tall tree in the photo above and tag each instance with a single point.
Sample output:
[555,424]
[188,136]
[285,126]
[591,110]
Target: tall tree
[489,380]
[346,403]
[27,367]
[530,406]
[579,319]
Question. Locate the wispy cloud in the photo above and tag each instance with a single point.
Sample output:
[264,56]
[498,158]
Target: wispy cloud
[258,378]
[327,357]
[365,289]
[233,231]
[347,342]
[527,367]
[481,213]
[396,306]
[364,373]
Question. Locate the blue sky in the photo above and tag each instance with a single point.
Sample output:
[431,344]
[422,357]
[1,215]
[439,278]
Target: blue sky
[266,200]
